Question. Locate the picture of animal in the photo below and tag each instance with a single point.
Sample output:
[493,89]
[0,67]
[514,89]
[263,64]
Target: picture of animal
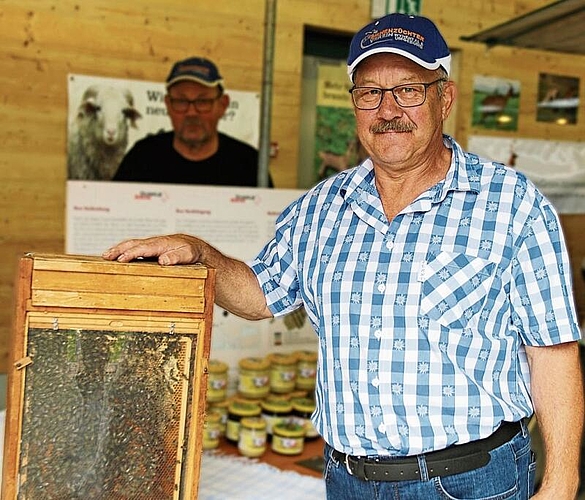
[98,134]
[353,155]
[495,103]
[558,99]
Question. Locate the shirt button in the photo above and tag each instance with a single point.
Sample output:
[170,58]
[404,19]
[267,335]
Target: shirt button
[381,288]
[382,428]
[376,382]
[378,334]
[389,245]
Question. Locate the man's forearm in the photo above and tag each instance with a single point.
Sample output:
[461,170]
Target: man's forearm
[557,391]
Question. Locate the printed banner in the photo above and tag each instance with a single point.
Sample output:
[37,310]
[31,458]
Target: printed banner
[337,147]
[237,220]
[131,110]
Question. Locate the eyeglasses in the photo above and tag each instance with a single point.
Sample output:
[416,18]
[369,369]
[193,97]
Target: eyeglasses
[408,95]
[202,105]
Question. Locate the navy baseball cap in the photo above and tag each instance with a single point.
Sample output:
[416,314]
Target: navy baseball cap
[414,37]
[195,69]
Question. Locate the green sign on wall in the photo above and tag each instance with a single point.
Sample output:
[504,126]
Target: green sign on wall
[383,7]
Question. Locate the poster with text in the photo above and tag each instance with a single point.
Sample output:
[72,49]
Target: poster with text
[337,147]
[107,116]
[239,221]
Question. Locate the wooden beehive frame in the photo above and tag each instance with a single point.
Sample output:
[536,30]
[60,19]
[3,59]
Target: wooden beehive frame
[88,293]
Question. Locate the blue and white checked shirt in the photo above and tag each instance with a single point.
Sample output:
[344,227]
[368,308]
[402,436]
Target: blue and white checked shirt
[422,320]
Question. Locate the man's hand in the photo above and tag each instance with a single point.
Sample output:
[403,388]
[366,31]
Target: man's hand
[168,250]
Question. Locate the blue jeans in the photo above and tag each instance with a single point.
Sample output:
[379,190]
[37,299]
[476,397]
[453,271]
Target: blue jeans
[508,475]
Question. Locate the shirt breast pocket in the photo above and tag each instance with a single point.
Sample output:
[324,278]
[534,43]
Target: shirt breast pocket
[455,287]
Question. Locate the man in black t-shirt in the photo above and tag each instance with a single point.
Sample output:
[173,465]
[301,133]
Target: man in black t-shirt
[195,152]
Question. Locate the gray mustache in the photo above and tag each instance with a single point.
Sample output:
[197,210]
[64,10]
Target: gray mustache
[192,120]
[391,126]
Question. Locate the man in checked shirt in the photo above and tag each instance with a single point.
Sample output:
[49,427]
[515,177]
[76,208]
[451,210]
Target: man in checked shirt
[439,286]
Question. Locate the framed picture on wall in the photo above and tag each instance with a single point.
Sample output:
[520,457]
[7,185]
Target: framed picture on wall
[495,103]
[558,99]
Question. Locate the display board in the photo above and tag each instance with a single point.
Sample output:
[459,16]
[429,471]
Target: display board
[108,115]
[237,220]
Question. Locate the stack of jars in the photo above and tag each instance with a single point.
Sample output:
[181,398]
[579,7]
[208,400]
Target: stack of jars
[273,404]
[217,404]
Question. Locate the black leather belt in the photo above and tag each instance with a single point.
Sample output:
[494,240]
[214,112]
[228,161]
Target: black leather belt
[453,460]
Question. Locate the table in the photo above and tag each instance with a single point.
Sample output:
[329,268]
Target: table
[313,450]
[227,475]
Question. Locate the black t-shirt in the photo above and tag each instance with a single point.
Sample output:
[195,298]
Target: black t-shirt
[153,159]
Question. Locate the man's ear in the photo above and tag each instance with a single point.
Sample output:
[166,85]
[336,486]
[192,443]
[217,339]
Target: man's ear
[224,102]
[448,98]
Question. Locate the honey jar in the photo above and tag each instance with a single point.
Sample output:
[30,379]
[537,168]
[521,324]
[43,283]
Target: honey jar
[302,409]
[275,411]
[252,440]
[306,370]
[238,410]
[211,430]
[283,372]
[221,407]
[288,439]
[217,380]
[254,379]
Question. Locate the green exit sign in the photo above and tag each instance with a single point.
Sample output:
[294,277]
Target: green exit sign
[382,7]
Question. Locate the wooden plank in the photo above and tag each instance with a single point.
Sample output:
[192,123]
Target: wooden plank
[97,300]
[118,283]
[185,413]
[16,382]
[117,323]
[85,263]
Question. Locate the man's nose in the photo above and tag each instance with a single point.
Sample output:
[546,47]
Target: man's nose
[191,109]
[389,105]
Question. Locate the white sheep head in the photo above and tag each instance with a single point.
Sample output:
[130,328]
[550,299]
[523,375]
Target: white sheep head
[112,109]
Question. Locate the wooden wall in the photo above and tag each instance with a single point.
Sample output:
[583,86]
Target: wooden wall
[42,41]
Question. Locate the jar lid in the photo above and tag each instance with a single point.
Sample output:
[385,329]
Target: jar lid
[278,358]
[253,423]
[303,404]
[254,364]
[244,409]
[277,405]
[306,356]
[297,394]
[216,366]
[278,396]
[220,404]
[289,429]
[213,417]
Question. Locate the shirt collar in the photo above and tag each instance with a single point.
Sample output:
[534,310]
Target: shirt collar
[463,175]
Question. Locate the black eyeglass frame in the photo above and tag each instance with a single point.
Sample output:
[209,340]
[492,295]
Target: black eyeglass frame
[392,89]
[206,102]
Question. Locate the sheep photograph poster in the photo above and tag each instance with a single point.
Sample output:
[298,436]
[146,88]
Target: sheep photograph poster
[108,115]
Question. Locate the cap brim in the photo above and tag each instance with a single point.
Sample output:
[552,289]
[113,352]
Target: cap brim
[444,61]
[191,78]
